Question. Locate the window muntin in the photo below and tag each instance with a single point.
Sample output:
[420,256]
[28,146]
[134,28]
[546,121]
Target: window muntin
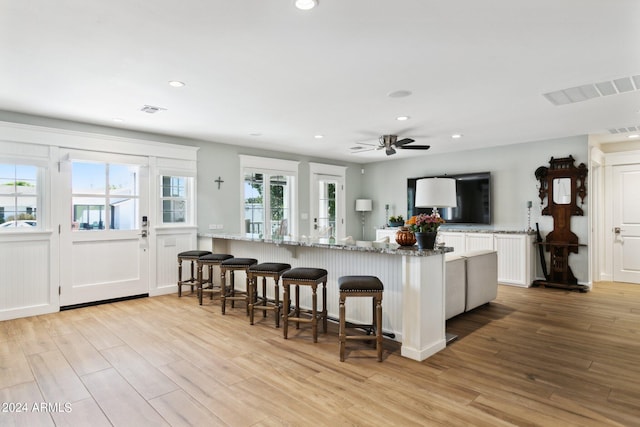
[174,199]
[19,196]
[105,196]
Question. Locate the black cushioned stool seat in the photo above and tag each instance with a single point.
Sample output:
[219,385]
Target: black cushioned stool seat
[209,261]
[193,257]
[230,293]
[361,286]
[305,277]
[256,302]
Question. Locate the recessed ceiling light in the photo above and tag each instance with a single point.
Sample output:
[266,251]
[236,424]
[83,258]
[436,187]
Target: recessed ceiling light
[456,136]
[633,136]
[176,83]
[399,94]
[402,118]
[306,4]
[318,136]
[255,134]
[117,120]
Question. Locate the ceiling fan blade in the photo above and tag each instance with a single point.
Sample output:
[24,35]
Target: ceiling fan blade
[357,149]
[390,151]
[416,147]
[403,142]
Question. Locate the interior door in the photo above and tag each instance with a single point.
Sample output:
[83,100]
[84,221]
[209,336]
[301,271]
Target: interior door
[104,251]
[327,206]
[626,223]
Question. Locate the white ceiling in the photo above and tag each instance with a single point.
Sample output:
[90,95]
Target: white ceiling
[479,68]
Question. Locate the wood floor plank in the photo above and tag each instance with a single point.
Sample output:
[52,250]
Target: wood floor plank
[81,355]
[83,413]
[23,396]
[215,396]
[145,378]
[14,366]
[97,334]
[179,409]
[56,378]
[119,401]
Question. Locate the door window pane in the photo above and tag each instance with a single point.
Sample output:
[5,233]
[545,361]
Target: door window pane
[253,203]
[279,205]
[18,196]
[327,209]
[89,178]
[105,196]
[174,199]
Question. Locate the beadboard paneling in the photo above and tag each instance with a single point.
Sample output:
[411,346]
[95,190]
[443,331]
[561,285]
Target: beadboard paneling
[25,285]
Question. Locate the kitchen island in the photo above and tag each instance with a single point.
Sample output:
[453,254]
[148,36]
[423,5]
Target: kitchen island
[413,300]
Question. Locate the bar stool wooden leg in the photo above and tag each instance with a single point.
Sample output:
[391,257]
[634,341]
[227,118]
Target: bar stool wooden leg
[379,327]
[286,308]
[342,328]
[223,290]
[324,307]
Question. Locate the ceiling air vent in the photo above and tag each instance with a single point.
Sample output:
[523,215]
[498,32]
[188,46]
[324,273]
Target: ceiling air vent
[593,90]
[151,109]
[625,130]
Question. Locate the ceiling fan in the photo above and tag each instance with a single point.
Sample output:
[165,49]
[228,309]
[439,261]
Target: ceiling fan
[390,144]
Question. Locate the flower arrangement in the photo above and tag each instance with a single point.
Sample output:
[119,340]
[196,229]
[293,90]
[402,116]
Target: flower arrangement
[424,223]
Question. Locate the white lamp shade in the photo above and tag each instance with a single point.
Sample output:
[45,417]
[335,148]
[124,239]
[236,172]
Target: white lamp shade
[436,193]
[364,205]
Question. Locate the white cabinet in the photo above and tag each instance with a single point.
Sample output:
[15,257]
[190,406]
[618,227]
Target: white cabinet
[479,241]
[516,257]
[381,233]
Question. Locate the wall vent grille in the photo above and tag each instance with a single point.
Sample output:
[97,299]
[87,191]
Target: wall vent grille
[593,90]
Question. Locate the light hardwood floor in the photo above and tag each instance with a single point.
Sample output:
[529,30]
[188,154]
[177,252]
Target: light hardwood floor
[532,357]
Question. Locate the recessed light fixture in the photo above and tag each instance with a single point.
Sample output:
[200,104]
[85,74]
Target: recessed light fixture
[318,136]
[633,136]
[117,120]
[402,118]
[456,136]
[255,134]
[306,4]
[176,83]
[399,94]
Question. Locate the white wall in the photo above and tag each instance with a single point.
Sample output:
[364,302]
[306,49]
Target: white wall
[223,206]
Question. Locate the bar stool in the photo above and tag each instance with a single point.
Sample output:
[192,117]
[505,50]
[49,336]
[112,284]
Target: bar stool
[256,302]
[305,277]
[208,261]
[193,257]
[361,286]
[232,265]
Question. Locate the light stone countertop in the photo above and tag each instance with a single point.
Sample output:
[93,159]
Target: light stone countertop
[390,248]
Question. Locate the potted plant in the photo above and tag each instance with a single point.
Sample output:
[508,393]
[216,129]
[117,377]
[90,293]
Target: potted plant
[425,227]
[396,221]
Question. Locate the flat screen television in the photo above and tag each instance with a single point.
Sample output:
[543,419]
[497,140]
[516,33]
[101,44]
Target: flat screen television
[473,194]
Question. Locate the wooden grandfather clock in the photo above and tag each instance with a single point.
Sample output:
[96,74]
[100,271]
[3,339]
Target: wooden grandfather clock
[561,184]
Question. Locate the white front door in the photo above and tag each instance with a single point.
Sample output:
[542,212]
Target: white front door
[626,223]
[104,252]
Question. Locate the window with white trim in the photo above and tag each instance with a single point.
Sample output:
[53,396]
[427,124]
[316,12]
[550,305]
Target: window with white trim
[269,203]
[19,196]
[174,199]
